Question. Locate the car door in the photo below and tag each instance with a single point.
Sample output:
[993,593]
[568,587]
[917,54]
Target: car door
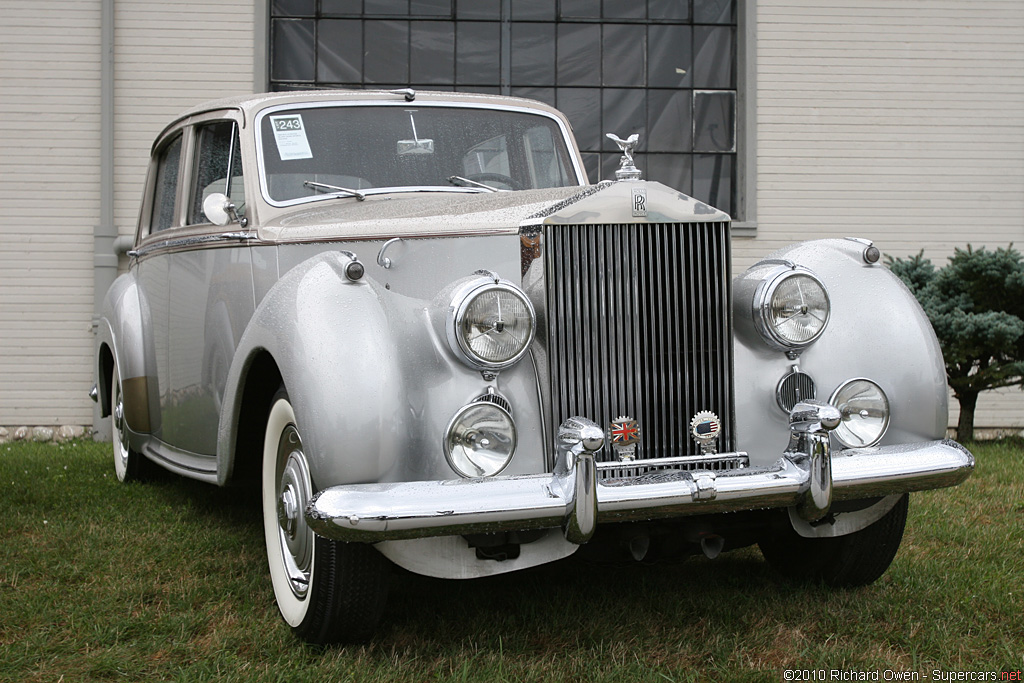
[207,294]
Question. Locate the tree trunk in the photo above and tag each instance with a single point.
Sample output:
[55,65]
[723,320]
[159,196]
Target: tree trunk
[965,423]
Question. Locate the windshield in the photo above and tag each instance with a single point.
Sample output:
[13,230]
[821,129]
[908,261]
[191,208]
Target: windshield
[314,151]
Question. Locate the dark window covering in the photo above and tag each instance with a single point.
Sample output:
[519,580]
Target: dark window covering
[665,69]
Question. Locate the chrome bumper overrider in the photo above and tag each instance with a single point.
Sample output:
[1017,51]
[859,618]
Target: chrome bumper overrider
[808,477]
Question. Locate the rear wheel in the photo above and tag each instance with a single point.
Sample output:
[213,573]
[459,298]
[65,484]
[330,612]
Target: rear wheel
[327,591]
[128,464]
[855,559]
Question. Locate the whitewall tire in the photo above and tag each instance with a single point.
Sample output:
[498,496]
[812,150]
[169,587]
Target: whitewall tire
[326,591]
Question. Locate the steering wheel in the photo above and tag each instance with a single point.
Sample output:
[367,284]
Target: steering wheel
[494,178]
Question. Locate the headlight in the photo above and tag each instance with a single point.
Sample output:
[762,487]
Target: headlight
[791,309]
[481,439]
[865,411]
[490,324]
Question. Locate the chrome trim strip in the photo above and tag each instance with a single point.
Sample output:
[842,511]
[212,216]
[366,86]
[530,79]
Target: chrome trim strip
[196,242]
[192,465]
[375,237]
[740,458]
[376,512]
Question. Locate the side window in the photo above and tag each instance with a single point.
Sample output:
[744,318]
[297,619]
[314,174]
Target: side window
[218,168]
[165,190]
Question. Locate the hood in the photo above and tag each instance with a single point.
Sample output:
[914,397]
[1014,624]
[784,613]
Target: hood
[449,214]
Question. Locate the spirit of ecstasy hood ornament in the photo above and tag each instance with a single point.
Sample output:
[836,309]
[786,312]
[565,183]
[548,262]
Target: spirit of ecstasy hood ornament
[627,169]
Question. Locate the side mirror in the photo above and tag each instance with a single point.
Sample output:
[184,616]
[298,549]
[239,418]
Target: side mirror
[220,210]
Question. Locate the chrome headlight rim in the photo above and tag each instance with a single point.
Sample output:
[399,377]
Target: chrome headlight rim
[762,303]
[485,404]
[840,431]
[464,296]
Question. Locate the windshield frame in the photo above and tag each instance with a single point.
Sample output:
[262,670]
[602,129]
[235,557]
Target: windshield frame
[567,139]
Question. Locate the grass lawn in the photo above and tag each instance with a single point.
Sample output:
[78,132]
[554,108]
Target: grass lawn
[167,581]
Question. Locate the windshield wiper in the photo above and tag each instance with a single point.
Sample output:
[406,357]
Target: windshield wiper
[466,182]
[323,186]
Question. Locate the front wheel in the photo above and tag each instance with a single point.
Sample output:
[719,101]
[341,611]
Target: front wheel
[855,559]
[327,591]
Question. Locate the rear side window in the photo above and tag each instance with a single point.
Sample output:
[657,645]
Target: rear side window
[218,168]
[166,188]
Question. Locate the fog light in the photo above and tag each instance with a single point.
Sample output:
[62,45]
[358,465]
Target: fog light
[865,410]
[481,440]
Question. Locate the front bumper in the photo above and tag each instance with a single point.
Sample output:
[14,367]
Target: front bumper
[807,477]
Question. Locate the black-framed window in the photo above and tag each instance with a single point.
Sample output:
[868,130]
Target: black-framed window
[666,69]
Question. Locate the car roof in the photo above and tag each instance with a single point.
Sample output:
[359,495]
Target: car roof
[249,105]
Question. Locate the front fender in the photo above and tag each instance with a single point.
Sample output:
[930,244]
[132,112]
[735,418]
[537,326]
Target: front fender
[331,341]
[877,330]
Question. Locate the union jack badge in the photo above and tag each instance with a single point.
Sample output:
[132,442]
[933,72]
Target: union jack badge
[625,435]
[705,428]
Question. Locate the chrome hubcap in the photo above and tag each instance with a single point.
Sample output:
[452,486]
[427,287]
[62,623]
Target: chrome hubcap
[287,512]
[120,434]
[293,493]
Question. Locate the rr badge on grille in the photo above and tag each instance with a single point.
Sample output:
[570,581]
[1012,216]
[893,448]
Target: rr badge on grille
[705,428]
[625,435]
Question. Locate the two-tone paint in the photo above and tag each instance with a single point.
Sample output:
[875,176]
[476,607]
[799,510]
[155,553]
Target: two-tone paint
[210,321]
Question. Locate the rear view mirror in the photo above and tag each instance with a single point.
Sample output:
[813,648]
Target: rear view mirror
[425,146]
[417,145]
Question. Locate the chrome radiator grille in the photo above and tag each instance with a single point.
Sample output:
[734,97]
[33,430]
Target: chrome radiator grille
[638,324]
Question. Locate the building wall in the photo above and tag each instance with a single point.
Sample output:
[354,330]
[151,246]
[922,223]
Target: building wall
[900,121]
[49,194]
[167,56]
[170,56]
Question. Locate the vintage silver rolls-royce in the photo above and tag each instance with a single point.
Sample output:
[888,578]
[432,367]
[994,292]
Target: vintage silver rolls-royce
[413,324]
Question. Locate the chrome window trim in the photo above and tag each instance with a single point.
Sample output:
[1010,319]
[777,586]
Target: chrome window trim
[258,139]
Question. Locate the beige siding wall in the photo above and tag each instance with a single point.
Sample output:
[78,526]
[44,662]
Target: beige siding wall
[901,121]
[168,56]
[49,203]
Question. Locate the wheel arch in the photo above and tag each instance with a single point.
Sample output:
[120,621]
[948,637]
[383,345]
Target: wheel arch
[121,341]
[104,377]
[330,342]
[241,463]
